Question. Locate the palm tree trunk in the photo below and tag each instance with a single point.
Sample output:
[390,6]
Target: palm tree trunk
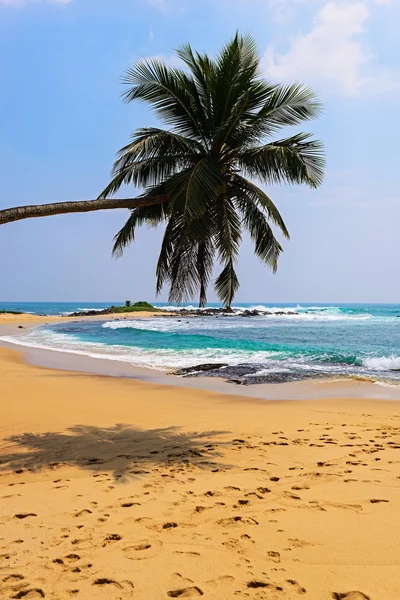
[60,208]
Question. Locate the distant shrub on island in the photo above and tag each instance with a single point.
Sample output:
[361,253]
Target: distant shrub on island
[136,307]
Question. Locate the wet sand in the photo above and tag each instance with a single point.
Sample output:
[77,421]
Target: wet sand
[118,488]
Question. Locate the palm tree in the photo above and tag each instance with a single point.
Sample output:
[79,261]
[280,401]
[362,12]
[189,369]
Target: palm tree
[198,175]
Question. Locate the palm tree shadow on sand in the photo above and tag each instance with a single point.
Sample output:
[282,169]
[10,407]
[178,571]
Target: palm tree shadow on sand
[122,449]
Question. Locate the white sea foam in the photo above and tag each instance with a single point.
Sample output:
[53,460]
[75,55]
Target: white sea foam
[83,310]
[173,324]
[161,359]
[383,363]
[90,309]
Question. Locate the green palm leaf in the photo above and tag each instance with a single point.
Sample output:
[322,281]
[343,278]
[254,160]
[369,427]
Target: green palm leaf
[297,159]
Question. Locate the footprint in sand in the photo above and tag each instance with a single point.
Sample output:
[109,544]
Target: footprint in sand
[299,588]
[114,537]
[30,594]
[106,581]
[170,525]
[143,549]
[182,580]
[221,580]
[350,596]
[189,592]
[274,556]
[12,578]
[258,584]
[10,496]
[238,520]
[82,513]
[71,558]
[82,544]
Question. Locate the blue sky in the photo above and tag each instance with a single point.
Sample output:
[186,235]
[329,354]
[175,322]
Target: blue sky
[62,122]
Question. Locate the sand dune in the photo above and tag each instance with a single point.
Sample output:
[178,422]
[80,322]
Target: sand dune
[114,489]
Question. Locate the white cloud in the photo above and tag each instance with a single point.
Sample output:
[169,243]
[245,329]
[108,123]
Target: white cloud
[24,2]
[285,10]
[332,55]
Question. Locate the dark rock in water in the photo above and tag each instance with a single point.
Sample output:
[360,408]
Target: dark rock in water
[200,368]
[92,313]
[224,312]
[204,312]
[236,371]
[280,377]
[258,313]
[21,327]
[247,374]
[228,372]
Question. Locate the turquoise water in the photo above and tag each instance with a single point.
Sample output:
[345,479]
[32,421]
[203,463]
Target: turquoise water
[55,308]
[318,341]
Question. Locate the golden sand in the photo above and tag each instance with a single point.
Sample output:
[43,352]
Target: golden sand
[117,489]
[25,318]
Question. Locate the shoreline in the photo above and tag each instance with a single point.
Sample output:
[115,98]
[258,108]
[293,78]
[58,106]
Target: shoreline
[105,481]
[112,367]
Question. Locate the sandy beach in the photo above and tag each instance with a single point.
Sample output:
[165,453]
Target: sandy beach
[115,488]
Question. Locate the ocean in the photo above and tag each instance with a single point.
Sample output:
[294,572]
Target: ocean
[318,342]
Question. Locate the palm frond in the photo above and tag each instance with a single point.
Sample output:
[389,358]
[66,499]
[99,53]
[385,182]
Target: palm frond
[297,159]
[266,246]
[151,157]
[205,260]
[227,238]
[163,87]
[202,188]
[227,284]
[245,189]
[290,105]
[151,215]
[227,229]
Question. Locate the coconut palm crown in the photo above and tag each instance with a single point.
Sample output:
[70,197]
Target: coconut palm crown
[220,116]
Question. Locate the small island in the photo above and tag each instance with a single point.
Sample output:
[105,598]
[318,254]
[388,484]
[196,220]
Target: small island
[140,306]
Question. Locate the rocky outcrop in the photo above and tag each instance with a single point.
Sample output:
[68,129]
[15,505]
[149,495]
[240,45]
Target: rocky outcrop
[247,374]
[204,312]
[222,312]
[200,368]
[92,313]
